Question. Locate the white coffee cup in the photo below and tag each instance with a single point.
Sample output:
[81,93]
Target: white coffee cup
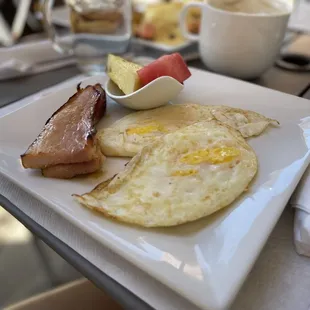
[238,44]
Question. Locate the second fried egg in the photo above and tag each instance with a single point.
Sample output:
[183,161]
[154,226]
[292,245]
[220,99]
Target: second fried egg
[127,136]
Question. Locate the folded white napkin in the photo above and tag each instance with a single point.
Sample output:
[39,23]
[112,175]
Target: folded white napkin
[301,201]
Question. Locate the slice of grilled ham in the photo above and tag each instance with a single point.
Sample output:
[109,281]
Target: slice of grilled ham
[68,171]
[68,137]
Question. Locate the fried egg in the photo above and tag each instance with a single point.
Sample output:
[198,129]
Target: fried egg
[180,177]
[127,136]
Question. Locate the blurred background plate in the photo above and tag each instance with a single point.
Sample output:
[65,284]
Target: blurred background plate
[162,47]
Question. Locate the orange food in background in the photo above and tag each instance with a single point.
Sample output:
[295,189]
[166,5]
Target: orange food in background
[159,22]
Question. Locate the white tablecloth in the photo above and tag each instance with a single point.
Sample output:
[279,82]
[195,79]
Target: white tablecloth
[280,279]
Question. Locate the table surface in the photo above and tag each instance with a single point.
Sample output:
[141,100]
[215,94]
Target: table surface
[280,279]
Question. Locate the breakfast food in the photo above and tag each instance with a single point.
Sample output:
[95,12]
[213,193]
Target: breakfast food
[168,65]
[127,136]
[189,160]
[68,171]
[179,177]
[96,22]
[163,19]
[67,140]
[123,73]
[129,76]
[160,22]
[193,17]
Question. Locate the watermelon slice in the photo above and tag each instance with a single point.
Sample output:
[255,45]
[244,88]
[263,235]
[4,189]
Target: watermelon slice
[169,65]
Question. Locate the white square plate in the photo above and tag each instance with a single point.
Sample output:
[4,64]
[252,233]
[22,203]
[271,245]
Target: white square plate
[205,261]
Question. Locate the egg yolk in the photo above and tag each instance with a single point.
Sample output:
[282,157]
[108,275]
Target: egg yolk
[184,173]
[145,129]
[213,156]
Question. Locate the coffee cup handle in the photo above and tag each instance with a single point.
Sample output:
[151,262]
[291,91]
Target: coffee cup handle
[50,29]
[182,20]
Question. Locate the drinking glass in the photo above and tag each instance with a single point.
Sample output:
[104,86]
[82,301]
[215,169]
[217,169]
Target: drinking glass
[97,28]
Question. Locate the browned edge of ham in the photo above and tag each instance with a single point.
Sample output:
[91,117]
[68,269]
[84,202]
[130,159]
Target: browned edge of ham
[68,171]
